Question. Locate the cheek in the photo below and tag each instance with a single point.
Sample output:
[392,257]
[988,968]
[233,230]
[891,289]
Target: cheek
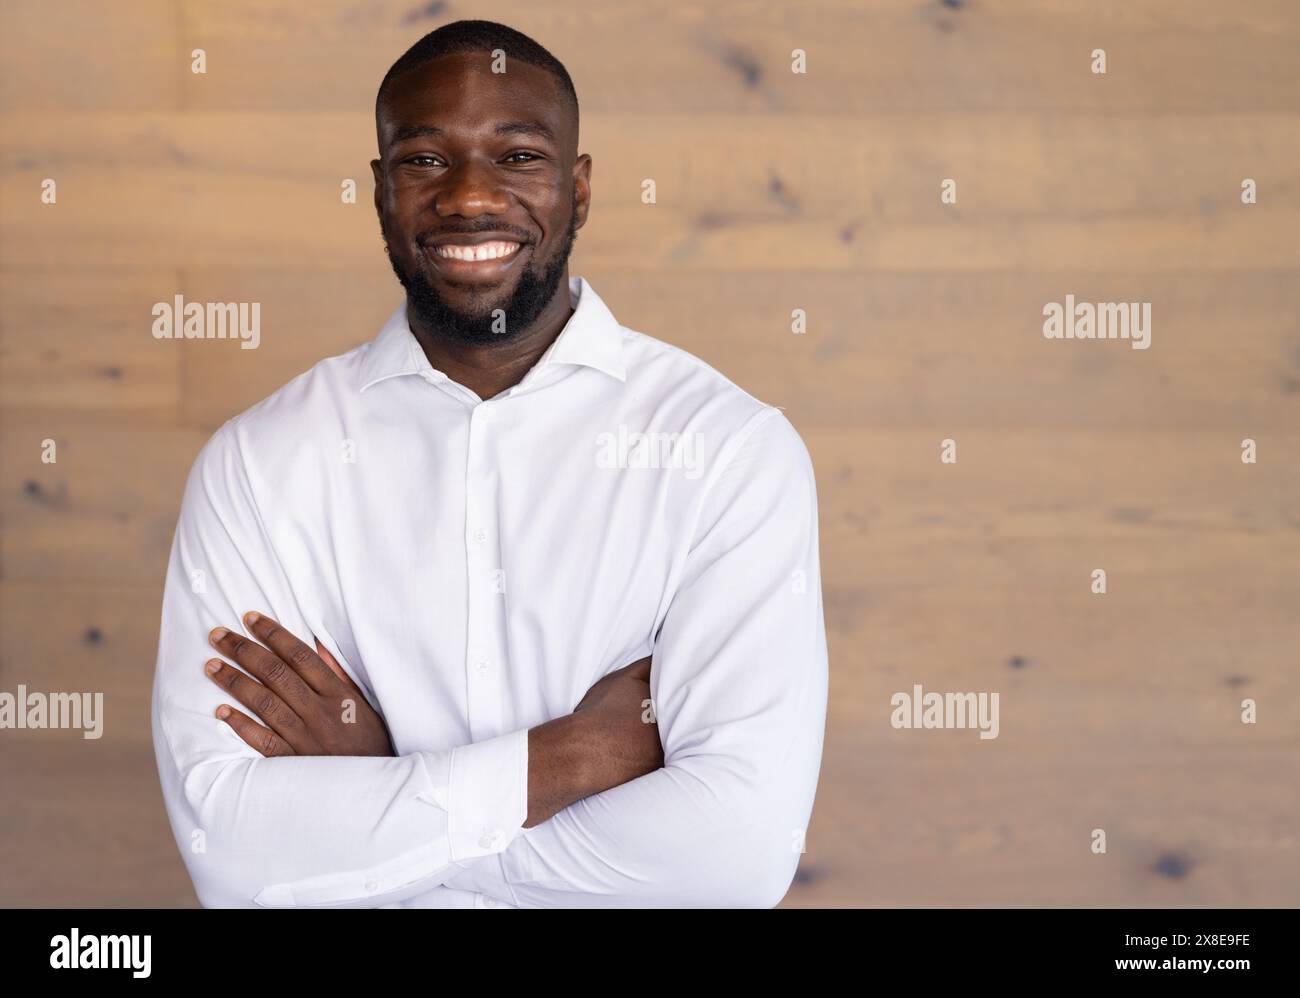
[398,231]
[401,204]
[555,223]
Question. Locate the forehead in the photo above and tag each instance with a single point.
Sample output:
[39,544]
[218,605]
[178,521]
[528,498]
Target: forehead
[460,92]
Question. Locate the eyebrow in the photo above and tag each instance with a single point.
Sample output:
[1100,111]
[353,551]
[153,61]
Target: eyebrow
[404,132]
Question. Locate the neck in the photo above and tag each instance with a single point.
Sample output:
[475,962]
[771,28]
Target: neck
[487,369]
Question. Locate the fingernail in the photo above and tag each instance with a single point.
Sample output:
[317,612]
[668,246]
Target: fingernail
[223,712]
[217,634]
[211,668]
[252,617]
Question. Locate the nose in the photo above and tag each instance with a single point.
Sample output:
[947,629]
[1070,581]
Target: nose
[470,188]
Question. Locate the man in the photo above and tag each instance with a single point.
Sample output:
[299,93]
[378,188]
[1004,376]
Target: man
[561,579]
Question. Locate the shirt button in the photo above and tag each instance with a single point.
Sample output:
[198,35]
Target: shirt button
[481,664]
[490,838]
[371,886]
[480,535]
[489,902]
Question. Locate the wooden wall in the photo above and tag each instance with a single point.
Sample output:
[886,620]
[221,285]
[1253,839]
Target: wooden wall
[776,191]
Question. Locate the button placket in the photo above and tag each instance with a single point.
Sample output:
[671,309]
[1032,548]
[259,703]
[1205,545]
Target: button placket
[484,625]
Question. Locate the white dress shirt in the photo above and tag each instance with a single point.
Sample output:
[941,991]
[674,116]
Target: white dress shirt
[476,566]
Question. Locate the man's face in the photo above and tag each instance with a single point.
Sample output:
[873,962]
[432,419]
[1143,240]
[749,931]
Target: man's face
[480,193]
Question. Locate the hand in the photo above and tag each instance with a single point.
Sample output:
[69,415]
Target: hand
[311,705]
[610,738]
[621,731]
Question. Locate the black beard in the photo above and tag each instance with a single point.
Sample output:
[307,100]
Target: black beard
[531,295]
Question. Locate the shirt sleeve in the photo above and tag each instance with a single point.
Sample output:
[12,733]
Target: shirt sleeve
[298,831]
[739,685]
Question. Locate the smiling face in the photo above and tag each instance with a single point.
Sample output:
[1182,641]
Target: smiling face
[480,193]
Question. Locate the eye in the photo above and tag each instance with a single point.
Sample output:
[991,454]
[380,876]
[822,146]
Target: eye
[530,156]
[422,159]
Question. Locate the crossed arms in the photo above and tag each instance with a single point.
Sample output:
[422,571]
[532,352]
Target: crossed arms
[299,808]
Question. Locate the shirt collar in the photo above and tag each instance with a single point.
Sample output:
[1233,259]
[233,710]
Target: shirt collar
[591,338]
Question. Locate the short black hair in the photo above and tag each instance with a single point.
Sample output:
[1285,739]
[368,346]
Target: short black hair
[478,36]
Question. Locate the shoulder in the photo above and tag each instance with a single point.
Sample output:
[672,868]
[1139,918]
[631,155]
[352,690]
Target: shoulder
[315,400]
[269,433]
[744,429]
[663,368]
[318,396]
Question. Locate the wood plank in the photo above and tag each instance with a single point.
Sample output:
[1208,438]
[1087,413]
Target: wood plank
[977,577]
[105,511]
[961,350]
[890,483]
[87,54]
[106,642]
[92,832]
[913,821]
[75,342]
[894,55]
[1153,193]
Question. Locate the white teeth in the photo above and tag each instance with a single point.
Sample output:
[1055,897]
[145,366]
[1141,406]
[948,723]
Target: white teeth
[483,251]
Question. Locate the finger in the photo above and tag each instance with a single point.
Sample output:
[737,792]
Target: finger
[332,662]
[259,699]
[263,739]
[267,667]
[304,662]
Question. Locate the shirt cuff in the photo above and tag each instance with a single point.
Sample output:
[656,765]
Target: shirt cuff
[487,795]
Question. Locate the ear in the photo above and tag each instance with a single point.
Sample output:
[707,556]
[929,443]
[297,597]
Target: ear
[582,188]
[377,170]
